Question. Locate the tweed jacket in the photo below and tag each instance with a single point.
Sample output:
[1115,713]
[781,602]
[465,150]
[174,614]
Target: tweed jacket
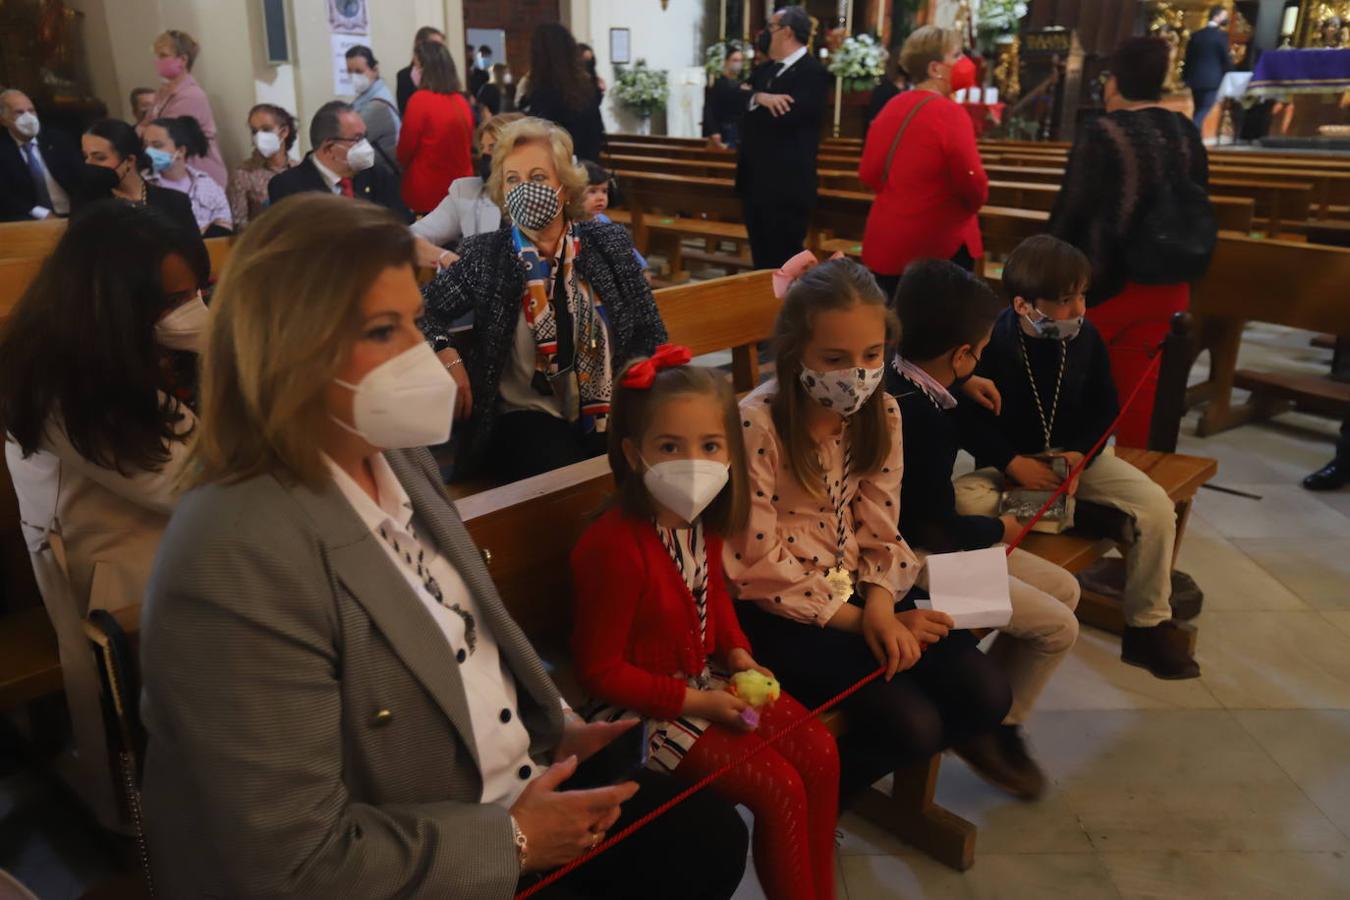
[488,282]
[309,735]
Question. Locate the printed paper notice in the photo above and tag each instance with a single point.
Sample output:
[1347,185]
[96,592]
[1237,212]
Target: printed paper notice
[971,587]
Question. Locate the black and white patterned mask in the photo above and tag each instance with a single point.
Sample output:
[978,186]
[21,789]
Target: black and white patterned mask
[532,206]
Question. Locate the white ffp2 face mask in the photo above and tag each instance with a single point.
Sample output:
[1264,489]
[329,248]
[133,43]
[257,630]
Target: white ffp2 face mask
[360,83]
[844,390]
[686,486]
[361,156]
[28,125]
[407,401]
[185,327]
[267,142]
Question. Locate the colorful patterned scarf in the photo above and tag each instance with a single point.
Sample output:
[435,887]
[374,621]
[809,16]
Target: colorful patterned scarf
[572,354]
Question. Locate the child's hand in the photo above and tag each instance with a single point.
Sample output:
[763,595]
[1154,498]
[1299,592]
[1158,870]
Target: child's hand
[739,660]
[984,392]
[1012,527]
[927,625]
[1032,473]
[719,707]
[890,642]
[1073,458]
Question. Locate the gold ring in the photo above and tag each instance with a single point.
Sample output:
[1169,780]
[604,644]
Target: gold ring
[596,836]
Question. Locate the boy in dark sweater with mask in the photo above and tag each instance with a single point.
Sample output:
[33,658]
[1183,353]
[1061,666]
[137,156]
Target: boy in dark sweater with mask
[1052,369]
[945,317]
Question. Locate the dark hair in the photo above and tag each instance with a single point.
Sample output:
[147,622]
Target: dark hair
[1045,268]
[1140,66]
[365,53]
[596,173]
[185,132]
[325,126]
[80,347]
[1214,12]
[123,139]
[941,306]
[631,413]
[282,117]
[796,18]
[484,48]
[555,62]
[424,34]
[838,284]
[136,92]
[438,68]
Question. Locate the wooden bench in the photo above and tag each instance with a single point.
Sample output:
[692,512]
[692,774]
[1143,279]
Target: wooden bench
[20,240]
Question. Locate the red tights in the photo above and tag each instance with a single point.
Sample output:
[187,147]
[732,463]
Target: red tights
[792,788]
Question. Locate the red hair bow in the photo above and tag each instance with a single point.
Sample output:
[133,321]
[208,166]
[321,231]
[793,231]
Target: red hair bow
[795,268]
[667,356]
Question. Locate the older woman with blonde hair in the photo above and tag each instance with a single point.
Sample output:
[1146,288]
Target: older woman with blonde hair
[337,703]
[181,95]
[559,307]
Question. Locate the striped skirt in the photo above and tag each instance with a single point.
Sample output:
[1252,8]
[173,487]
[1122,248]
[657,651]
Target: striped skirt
[666,740]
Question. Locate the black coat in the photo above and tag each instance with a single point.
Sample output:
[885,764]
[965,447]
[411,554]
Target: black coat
[585,124]
[1207,59]
[404,88]
[777,155]
[488,282]
[174,204]
[376,184]
[18,195]
[723,109]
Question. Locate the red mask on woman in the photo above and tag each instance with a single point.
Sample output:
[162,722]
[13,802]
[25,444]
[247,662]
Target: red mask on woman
[963,73]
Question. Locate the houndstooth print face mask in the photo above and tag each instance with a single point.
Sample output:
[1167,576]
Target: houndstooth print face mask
[532,206]
[844,390]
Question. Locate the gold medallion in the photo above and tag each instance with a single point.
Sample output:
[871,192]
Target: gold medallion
[840,582]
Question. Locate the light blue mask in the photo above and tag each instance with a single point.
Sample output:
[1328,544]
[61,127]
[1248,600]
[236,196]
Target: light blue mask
[159,159]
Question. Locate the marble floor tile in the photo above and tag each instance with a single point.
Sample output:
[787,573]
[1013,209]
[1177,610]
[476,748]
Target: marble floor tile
[1312,746]
[1272,660]
[1093,677]
[1283,512]
[995,876]
[1318,571]
[1230,580]
[1240,876]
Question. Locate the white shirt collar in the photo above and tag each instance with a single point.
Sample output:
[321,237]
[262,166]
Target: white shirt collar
[393,504]
[788,61]
[21,144]
[330,177]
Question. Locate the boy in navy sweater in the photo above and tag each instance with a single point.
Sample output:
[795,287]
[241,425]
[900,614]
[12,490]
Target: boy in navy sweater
[1052,370]
[945,316]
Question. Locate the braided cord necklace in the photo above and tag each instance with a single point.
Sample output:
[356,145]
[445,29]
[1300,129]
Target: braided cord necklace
[1047,425]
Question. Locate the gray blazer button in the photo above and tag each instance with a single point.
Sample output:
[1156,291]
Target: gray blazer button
[382,717]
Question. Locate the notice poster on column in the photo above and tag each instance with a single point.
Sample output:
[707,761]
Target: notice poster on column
[342,82]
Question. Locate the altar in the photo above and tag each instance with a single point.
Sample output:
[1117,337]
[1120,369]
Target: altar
[1315,80]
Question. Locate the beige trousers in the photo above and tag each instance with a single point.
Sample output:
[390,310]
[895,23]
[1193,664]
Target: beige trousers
[1042,630]
[1112,482]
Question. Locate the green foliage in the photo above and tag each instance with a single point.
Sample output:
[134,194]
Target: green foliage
[641,89]
[860,62]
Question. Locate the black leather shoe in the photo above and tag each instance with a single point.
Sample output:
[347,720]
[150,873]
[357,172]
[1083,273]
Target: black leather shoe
[1334,475]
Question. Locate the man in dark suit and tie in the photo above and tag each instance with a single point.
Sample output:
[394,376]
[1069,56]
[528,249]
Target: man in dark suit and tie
[342,162]
[780,135]
[1207,61]
[39,170]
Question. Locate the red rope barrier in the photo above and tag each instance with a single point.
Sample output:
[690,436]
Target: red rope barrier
[708,779]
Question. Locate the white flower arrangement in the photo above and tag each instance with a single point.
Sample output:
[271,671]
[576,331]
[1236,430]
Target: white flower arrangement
[641,89]
[997,18]
[859,62]
[715,57]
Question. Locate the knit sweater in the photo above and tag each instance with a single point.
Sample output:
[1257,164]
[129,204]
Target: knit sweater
[1087,398]
[1118,164]
[488,282]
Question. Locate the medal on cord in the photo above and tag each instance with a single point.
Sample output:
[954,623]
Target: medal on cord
[839,579]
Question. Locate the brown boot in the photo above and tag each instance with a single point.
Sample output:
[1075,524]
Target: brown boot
[1000,757]
[1162,649]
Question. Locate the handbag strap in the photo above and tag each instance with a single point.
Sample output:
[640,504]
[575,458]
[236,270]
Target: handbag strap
[895,141]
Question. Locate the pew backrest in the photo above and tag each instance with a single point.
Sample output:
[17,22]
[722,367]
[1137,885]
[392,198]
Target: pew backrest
[21,240]
[735,312]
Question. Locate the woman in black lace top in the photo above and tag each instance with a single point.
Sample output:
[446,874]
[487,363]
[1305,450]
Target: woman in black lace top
[1119,166]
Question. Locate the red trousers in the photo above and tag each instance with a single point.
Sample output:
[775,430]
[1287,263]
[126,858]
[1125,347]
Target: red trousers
[791,788]
[1133,323]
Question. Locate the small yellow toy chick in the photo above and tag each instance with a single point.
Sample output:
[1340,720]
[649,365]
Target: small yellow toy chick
[755,688]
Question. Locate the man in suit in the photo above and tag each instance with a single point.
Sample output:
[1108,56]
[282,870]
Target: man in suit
[38,170]
[780,135]
[1207,61]
[342,162]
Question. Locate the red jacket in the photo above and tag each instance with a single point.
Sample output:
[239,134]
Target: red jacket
[930,204]
[635,623]
[435,145]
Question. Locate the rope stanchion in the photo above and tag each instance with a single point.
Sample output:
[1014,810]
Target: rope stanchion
[708,779]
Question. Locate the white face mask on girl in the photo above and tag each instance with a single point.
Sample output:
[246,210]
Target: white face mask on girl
[407,401]
[686,486]
[267,142]
[844,390]
[185,327]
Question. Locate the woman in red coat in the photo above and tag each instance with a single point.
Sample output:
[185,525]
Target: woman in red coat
[930,184]
[435,145]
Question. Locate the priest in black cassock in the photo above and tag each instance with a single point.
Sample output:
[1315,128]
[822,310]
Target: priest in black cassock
[776,165]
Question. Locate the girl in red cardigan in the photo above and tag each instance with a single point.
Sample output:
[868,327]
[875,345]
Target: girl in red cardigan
[655,634]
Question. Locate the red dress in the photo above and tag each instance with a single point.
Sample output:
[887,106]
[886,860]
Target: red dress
[637,633]
[929,205]
[435,146]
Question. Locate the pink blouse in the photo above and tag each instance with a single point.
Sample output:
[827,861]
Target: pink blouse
[780,560]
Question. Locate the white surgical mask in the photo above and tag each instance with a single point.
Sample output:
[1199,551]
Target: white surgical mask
[361,156]
[407,401]
[360,82]
[183,328]
[267,142]
[686,486]
[844,390]
[28,125]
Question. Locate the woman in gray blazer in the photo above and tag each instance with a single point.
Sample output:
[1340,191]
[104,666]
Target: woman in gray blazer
[337,703]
